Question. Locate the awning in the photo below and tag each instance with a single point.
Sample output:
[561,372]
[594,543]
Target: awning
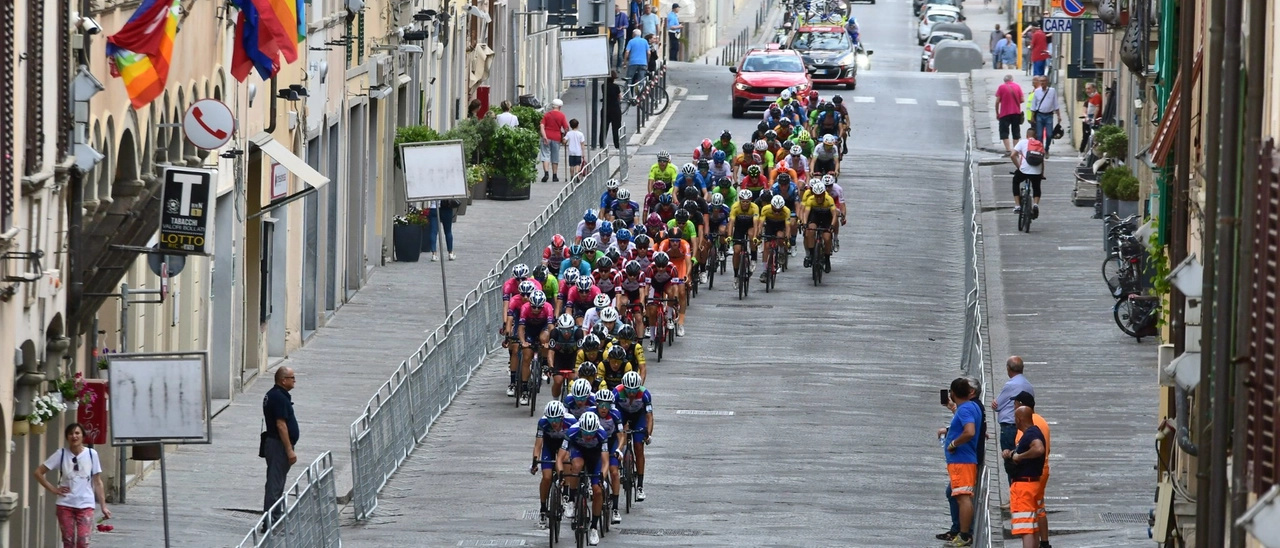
[1167,132]
[294,164]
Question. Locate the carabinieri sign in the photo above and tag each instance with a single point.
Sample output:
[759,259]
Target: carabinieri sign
[185,211]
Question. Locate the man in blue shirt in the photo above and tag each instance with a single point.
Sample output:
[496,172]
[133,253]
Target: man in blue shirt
[637,56]
[618,36]
[281,435]
[961,443]
[1004,406]
[673,31]
[649,21]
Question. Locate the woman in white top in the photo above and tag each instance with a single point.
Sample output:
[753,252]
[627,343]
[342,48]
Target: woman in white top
[79,486]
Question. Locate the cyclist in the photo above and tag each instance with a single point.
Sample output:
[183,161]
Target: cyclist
[837,194]
[603,236]
[618,360]
[586,226]
[591,350]
[662,171]
[582,296]
[623,244]
[591,252]
[826,157]
[719,168]
[547,442]
[776,216]
[610,194]
[765,150]
[830,121]
[717,218]
[519,273]
[747,159]
[840,107]
[745,215]
[725,145]
[563,343]
[786,189]
[812,122]
[666,209]
[651,199]
[581,395]
[805,140]
[702,178]
[632,289]
[772,116]
[812,99]
[611,423]
[703,150]
[510,321]
[643,253]
[687,178]
[550,285]
[795,164]
[784,127]
[562,298]
[591,317]
[535,322]
[636,405]
[587,371]
[608,324]
[1024,171]
[755,181]
[726,189]
[758,134]
[678,250]
[784,98]
[624,211]
[575,262]
[554,254]
[698,209]
[663,278]
[586,447]
[818,207]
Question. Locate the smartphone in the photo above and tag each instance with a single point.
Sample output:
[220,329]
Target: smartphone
[944,397]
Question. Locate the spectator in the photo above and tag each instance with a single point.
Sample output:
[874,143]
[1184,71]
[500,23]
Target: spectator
[79,488]
[1009,113]
[473,109]
[997,51]
[1046,107]
[507,119]
[952,504]
[612,109]
[554,125]
[442,212]
[281,435]
[618,36]
[673,32]
[1004,405]
[649,21]
[1039,51]
[1028,462]
[961,442]
[653,52]
[1026,399]
[637,57]
[1008,53]
[575,141]
[1092,113]
[996,36]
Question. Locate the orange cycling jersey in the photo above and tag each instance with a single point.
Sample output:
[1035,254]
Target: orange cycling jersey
[679,254]
[782,168]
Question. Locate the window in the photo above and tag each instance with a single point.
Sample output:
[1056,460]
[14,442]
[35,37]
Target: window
[7,16]
[772,63]
[821,40]
[265,271]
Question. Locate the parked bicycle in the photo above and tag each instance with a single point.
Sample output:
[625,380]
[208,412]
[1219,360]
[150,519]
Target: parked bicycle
[648,91]
[1137,315]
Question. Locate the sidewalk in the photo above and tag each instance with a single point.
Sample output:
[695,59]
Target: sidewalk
[1095,386]
[215,491]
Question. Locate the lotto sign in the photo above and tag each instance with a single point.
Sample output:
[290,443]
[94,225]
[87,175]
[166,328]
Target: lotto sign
[1073,8]
[186,208]
[1062,25]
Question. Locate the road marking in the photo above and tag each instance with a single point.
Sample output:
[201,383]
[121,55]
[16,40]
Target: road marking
[861,99]
[904,101]
[696,98]
[704,412]
[662,124]
[1075,247]
[1035,363]
[1023,314]
[1016,269]
[945,103]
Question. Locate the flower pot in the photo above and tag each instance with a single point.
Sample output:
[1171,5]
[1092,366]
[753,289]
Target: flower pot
[1126,208]
[407,242]
[502,188]
[72,410]
[479,190]
[21,427]
[38,429]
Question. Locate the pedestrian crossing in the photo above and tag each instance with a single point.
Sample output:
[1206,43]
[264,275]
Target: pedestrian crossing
[906,101]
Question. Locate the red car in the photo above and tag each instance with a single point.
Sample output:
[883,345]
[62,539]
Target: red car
[763,74]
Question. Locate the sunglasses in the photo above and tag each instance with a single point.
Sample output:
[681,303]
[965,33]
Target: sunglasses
[75,464]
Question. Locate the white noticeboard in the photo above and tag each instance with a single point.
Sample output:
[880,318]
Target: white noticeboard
[585,57]
[434,171]
[159,398]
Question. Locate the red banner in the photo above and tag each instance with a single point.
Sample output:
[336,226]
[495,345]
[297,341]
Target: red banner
[93,416]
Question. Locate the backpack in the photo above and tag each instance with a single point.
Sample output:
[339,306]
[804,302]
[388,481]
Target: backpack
[1035,152]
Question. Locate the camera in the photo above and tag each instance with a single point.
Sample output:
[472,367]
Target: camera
[88,26]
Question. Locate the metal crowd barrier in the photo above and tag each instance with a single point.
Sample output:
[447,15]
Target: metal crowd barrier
[973,356]
[307,514]
[401,413]
[646,102]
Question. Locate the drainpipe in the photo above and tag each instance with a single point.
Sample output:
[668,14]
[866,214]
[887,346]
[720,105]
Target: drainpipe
[1184,416]
[271,125]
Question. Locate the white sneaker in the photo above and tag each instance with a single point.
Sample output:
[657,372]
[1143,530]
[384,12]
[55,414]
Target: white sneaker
[434,257]
[671,324]
[639,494]
[653,346]
[568,509]
[703,277]
[542,521]
[680,330]
[617,518]
[452,256]
[511,390]
[524,399]
[593,538]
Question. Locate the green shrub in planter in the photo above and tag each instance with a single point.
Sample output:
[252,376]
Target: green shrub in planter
[413,134]
[475,135]
[1115,145]
[1119,183]
[530,118]
[513,154]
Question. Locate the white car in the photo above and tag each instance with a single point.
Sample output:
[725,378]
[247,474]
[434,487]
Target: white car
[934,14]
[926,56]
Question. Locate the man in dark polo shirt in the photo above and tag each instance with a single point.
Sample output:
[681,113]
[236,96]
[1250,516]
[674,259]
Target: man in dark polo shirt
[280,437]
[1028,464]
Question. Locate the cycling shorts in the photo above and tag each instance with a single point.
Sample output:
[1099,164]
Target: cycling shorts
[639,421]
[533,332]
[659,288]
[590,461]
[773,227]
[613,452]
[682,267]
[824,166]
[580,309]
[632,296]
[550,447]
[820,217]
[1019,177]
[565,363]
[741,232]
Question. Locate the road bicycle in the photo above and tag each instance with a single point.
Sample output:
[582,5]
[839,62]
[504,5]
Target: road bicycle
[627,469]
[581,523]
[819,259]
[662,332]
[555,508]
[1026,195]
[742,274]
[772,264]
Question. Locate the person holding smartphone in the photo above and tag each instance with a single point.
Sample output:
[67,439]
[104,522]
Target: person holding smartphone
[79,489]
[961,444]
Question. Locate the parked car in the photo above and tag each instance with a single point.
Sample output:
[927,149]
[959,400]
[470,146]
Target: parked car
[829,54]
[935,14]
[956,56]
[761,76]
[918,5]
[930,43]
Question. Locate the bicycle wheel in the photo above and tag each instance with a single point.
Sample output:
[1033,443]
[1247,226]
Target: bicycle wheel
[713,261]
[520,386]
[628,477]
[768,271]
[816,261]
[1028,205]
[660,100]
[582,517]
[1112,268]
[660,335]
[737,276]
[1128,317]
[534,383]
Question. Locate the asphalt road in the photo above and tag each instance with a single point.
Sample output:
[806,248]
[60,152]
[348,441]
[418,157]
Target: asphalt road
[822,401]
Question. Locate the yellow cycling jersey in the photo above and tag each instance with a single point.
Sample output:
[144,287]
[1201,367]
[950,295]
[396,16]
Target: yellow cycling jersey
[583,357]
[776,215]
[612,378]
[737,212]
[818,201]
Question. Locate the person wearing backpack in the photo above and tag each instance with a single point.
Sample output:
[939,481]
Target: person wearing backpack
[79,489]
[1028,157]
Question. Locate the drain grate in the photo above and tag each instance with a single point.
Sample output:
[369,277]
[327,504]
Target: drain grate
[1124,517]
[743,305]
[661,532]
[704,412]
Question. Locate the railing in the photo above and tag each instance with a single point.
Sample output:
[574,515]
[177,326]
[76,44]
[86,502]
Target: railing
[736,48]
[305,516]
[646,102]
[401,413]
[973,356]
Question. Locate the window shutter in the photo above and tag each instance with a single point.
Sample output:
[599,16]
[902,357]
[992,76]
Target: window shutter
[35,87]
[1262,444]
[7,16]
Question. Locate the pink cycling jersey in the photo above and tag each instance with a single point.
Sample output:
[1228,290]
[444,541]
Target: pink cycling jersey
[512,287]
[583,298]
[513,306]
[540,315]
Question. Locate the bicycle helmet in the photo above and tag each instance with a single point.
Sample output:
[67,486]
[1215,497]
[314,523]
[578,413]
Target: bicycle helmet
[765,196]
[659,187]
[783,179]
[778,202]
[726,136]
[786,145]
[520,271]
[706,143]
[682,216]
[633,268]
[787,110]
[613,255]
[554,410]
[661,259]
[537,299]
[590,343]
[571,276]
[813,94]
[624,195]
[526,288]
[703,164]
[631,380]
[590,244]
[609,314]
[582,387]
[717,199]
[718,156]
[829,107]
[690,192]
[796,150]
[688,169]
[605,396]
[664,199]
[623,235]
[690,205]
[606,228]
[762,145]
[584,283]
[604,263]
[557,241]
[828,139]
[675,234]
[612,184]
[828,179]
[748,148]
[540,274]
[616,353]
[590,216]
[753,170]
[745,195]
[565,321]
[601,301]
[763,125]
[837,99]
[786,94]
[587,369]
[643,241]
[724,182]
[785,122]
[588,423]
[664,156]
[639,229]
[819,187]
[575,250]
[626,332]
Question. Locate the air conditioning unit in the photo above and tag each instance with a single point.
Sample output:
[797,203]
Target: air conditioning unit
[380,73]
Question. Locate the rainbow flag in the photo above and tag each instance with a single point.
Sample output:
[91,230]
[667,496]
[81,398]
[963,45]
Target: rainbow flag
[140,53]
[266,30]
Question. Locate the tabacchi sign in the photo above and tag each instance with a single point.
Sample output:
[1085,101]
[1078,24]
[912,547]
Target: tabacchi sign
[186,210]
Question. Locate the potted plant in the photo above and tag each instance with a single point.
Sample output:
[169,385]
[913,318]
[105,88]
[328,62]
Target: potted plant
[530,118]
[44,408]
[21,425]
[102,358]
[406,235]
[1120,190]
[74,392]
[512,159]
[477,185]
